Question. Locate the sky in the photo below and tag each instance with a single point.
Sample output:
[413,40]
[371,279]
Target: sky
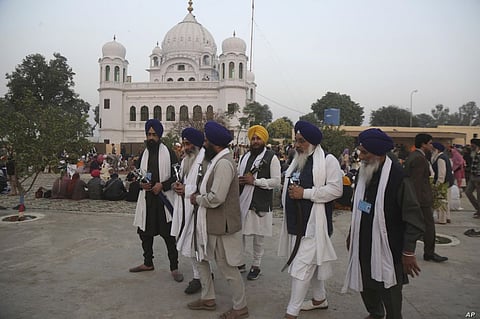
[376,51]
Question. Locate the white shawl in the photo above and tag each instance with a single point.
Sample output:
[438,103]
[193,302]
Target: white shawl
[317,223]
[382,268]
[164,170]
[185,240]
[202,236]
[247,193]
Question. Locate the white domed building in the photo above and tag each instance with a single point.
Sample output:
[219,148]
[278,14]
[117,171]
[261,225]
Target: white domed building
[188,81]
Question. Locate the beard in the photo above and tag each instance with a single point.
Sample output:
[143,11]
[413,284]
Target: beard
[367,170]
[301,158]
[189,159]
[255,151]
[152,145]
[209,152]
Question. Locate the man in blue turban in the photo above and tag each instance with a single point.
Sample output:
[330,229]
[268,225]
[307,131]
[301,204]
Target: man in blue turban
[153,214]
[379,257]
[219,223]
[312,181]
[183,219]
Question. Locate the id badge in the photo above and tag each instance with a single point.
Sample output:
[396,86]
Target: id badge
[364,206]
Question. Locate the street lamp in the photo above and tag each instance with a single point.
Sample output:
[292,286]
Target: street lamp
[411,106]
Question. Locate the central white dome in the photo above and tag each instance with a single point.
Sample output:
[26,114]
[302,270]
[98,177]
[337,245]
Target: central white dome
[190,36]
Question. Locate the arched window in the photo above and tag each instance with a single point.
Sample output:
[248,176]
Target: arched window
[157,112]
[223,71]
[133,114]
[124,75]
[183,113]
[251,94]
[240,71]
[169,80]
[155,61]
[197,113]
[144,113]
[107,73]
[209,113]
[206,60]
[117,74]
[191,79]
[180,80]
[231,70]
[170,113]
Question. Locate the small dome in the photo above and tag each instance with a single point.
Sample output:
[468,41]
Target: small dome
[234,44]
[156,50]
[114,49]
[250,77]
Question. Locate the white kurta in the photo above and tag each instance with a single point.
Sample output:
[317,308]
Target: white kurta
[316,247]
[252,224]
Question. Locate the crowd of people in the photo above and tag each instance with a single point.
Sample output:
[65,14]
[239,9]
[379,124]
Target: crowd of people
[209,202]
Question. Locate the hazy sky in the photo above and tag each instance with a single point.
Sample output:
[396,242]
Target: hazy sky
[376,51]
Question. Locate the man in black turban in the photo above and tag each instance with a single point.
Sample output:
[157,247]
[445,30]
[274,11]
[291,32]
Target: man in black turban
[379,257]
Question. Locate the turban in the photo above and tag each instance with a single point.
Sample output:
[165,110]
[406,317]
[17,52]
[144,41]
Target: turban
[193,136]
[95,173]
[217,134]
[475,141]
[310,132]
[258,130]
[438,146]
[157,126]
[375,141]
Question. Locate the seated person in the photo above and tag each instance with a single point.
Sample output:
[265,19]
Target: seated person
[59,188]
[77,189]
[114,188]
[133,188]
[95,185]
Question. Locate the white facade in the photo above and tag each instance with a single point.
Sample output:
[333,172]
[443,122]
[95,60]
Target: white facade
[187,79]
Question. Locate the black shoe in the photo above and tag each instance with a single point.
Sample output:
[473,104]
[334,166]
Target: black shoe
[194,286]
[242,268]
[436,258]
[253,273]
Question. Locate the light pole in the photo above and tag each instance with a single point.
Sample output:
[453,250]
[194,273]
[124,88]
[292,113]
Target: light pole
[411,106]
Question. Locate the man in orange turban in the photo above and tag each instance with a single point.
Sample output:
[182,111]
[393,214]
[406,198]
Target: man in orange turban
[259,171]
[259,131]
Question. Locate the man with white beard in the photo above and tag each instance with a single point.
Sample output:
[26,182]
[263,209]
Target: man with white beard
[386,223]
[312,181]
[182,224]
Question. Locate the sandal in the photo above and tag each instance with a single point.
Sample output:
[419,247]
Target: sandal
[235,314]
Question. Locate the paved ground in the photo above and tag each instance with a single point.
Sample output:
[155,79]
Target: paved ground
[73,263]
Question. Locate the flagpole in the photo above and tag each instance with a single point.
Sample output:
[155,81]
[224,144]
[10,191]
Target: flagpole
[251,38]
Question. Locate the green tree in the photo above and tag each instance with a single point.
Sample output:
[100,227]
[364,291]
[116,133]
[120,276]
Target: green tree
[423,120]
[351,113]
[280,128]
[467,115]
[334,140]
[42,116]
[258,114]
[440,114]
[390,116]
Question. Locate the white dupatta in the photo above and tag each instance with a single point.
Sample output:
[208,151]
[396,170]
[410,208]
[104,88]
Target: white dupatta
[382,267]
[164,170]
[247,193]
[185,239]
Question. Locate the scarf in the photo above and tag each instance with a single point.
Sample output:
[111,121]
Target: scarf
[317,223]
[164,170]
[382,268]
[247,193]
[185,240]
[202,211]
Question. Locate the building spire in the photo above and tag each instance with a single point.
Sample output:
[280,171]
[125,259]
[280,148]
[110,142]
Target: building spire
[190,8]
